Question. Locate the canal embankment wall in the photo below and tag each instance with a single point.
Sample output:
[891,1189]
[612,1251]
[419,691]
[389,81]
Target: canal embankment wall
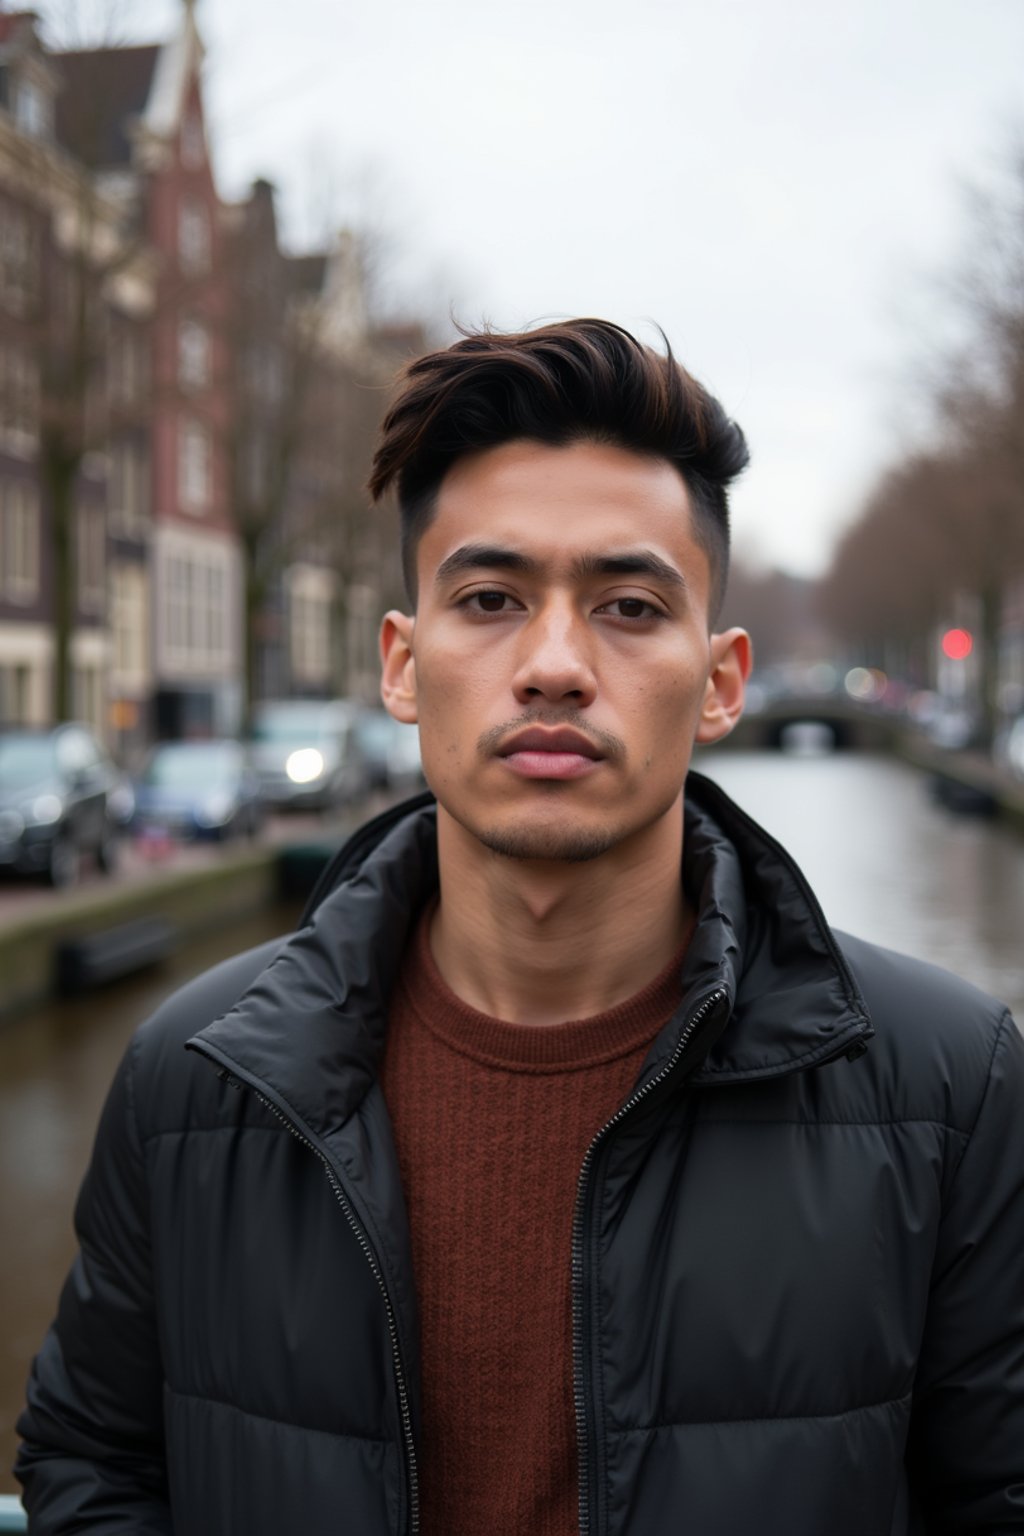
[188,902]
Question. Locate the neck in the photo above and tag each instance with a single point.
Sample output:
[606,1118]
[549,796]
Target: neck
[542,941]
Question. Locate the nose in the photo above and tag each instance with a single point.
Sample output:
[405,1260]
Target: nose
[555,661]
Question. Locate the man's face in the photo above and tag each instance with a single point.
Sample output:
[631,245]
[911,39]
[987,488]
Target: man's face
[559,662]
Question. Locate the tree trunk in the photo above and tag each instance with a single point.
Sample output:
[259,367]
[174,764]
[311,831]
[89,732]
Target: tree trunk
[988,681]
[61,482]
[255,592]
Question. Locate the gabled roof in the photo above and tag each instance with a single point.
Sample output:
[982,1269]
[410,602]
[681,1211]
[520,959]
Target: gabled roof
[104,89]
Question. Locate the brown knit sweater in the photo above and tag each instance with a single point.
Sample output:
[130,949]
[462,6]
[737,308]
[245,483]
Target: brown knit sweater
[492,1121]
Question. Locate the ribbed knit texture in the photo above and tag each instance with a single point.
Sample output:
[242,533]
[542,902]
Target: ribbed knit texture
[492,1121]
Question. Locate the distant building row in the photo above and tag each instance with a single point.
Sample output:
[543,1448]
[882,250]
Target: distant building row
[184,413]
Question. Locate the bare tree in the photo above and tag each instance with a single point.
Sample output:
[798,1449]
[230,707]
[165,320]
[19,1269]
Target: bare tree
[949,520]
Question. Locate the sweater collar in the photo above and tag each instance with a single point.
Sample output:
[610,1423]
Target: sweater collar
[311,1028]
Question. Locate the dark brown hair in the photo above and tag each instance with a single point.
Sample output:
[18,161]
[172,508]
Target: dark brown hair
[580,380]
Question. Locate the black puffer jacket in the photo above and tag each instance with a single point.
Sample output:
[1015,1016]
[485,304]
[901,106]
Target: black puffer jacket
[798,1258]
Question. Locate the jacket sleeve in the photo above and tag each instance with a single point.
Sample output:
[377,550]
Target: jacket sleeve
[92,1456]
[966,1451]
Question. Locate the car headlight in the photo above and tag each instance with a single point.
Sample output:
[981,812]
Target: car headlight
[304,766]
[43,811]
[214,810]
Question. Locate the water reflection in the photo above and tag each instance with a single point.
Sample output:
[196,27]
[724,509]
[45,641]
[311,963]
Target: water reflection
[888,863]
[55,1068]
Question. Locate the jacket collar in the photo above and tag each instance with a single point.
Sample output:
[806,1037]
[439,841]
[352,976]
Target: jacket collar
[762,938]
[311,1028]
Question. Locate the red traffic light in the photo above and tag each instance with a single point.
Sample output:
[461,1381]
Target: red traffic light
[957,644]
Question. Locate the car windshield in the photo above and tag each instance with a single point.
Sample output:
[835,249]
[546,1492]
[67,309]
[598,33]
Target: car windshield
[376,732]
[24,760]
[291,726]
[192,765]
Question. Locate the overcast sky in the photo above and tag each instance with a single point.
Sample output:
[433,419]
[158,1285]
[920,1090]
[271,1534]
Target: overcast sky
[774,182]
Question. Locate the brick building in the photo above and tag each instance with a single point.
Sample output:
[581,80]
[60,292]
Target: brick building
[186,413]
[175,565]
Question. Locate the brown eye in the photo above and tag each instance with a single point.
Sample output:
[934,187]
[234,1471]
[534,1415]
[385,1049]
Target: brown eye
[491,602]
[635,608]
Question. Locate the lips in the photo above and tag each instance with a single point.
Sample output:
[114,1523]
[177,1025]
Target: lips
[561,741]
[550,753]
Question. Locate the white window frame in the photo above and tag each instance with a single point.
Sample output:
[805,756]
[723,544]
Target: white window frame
[194,354]
[33,112]
[128,486]
[195,466]
[129,624]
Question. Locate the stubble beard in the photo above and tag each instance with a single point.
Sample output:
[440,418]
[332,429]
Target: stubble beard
[556,844]
[555,840]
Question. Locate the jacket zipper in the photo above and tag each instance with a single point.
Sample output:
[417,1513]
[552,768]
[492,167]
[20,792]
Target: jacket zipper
[371,1259]
[581,1362]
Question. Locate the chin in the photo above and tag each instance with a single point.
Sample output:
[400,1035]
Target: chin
[566,845]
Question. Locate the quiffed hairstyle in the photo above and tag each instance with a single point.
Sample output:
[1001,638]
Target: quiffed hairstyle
[578,381]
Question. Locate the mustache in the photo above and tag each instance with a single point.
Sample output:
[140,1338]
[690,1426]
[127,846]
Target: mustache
[610,746]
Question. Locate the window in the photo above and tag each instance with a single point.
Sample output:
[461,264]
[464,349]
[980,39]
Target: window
[194,237]
[15,683]
[193,466]
[33,113]
[218,610]
[310,635]
[128,622]
[19,401]
[197,606]
[128,487]
[91,532]
[176,605]
[126,367]
[19,257]
[19,542]
[193,354]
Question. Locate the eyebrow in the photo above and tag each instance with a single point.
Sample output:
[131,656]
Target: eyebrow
[627,562]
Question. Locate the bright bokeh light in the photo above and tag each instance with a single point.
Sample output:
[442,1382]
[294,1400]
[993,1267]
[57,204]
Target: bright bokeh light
[957,644]
[865,684]
[304,766]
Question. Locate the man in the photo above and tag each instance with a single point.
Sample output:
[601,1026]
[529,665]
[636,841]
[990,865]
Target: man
[564,1171]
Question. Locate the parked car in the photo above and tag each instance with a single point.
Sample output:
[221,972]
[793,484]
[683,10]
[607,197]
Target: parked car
[374,733]
[198,789]
[1010,748]
[307,754]
[61,796]
[391,751]
[405,765]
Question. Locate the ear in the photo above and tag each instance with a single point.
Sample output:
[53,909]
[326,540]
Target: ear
[398,666]
[731,659]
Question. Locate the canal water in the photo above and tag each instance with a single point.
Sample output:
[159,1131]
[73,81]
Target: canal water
[890,864]
[887,862]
